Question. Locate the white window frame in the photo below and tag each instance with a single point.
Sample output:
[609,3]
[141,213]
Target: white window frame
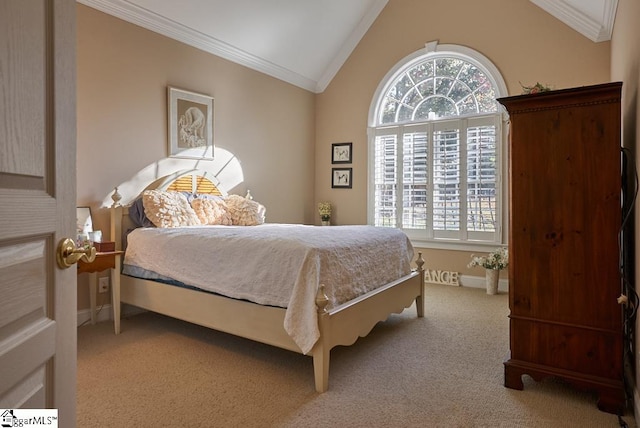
[426,238]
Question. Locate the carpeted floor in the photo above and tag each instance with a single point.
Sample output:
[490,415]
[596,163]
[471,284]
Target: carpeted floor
[444,370]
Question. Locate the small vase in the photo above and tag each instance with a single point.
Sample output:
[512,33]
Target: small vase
[326,222]
[492,277]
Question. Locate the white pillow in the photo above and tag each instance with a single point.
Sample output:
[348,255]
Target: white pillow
[168,209]
[212,211]
[245,212]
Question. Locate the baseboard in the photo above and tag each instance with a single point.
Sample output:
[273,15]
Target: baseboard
[479,282]
[105,313]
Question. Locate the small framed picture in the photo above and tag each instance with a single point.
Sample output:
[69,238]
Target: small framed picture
[190,118]
[341,152]
[84,224]
[341,178]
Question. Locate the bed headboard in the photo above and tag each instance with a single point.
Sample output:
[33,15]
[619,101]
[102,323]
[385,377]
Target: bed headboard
[194,184]
[192,181]
[189,180]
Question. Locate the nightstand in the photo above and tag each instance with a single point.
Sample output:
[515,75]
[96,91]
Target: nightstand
[103,261]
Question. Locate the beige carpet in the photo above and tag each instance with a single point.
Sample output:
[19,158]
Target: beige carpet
[444,370]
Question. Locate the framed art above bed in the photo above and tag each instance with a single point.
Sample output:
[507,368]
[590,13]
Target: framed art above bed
[190,118]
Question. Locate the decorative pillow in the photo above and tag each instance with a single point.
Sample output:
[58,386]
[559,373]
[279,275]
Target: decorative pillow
[211,211]
[191,196]
[245,212]
[168,209]
[137,215]
[207,196]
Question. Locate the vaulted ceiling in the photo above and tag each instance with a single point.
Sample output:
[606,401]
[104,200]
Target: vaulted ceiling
[301,42]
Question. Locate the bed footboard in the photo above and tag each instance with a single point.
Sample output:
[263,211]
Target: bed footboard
[344,324]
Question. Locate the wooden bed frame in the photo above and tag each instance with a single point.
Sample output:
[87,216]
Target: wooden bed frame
[341,325]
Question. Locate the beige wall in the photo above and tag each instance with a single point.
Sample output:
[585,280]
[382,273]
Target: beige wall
[123,73]
[525,43]
[625,67]
[281,134]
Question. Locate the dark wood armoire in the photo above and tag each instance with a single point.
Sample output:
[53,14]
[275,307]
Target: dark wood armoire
[565,216]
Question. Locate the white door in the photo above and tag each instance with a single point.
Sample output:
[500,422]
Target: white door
[37,205]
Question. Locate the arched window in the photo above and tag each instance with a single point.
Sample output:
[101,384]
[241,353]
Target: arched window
[435,133]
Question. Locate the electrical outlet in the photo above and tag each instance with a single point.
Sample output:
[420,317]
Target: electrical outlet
[103,284]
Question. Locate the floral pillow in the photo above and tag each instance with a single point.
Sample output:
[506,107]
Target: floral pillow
[168,209]
[212,211]
[245,212]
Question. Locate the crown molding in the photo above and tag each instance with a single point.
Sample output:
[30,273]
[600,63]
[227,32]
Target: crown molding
[158,24]
[597,31]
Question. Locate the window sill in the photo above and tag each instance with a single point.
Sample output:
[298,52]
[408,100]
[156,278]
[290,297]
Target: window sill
[455,245]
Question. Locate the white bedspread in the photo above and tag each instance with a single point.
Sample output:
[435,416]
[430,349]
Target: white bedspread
[276,264]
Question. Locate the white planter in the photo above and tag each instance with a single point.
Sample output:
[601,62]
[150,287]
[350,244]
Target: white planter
[492,276]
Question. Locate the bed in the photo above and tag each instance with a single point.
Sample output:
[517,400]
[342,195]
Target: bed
[317,315]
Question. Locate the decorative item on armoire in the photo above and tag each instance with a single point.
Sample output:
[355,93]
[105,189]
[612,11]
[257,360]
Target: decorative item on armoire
[535,89]
[493,263]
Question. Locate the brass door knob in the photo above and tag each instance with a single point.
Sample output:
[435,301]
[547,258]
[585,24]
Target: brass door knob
[68,254]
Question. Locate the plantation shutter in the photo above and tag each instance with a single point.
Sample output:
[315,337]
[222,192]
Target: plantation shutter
[385,180]
[415,178]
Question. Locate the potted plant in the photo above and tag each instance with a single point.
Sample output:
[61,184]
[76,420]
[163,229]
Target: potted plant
[324,209]
[493,262]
